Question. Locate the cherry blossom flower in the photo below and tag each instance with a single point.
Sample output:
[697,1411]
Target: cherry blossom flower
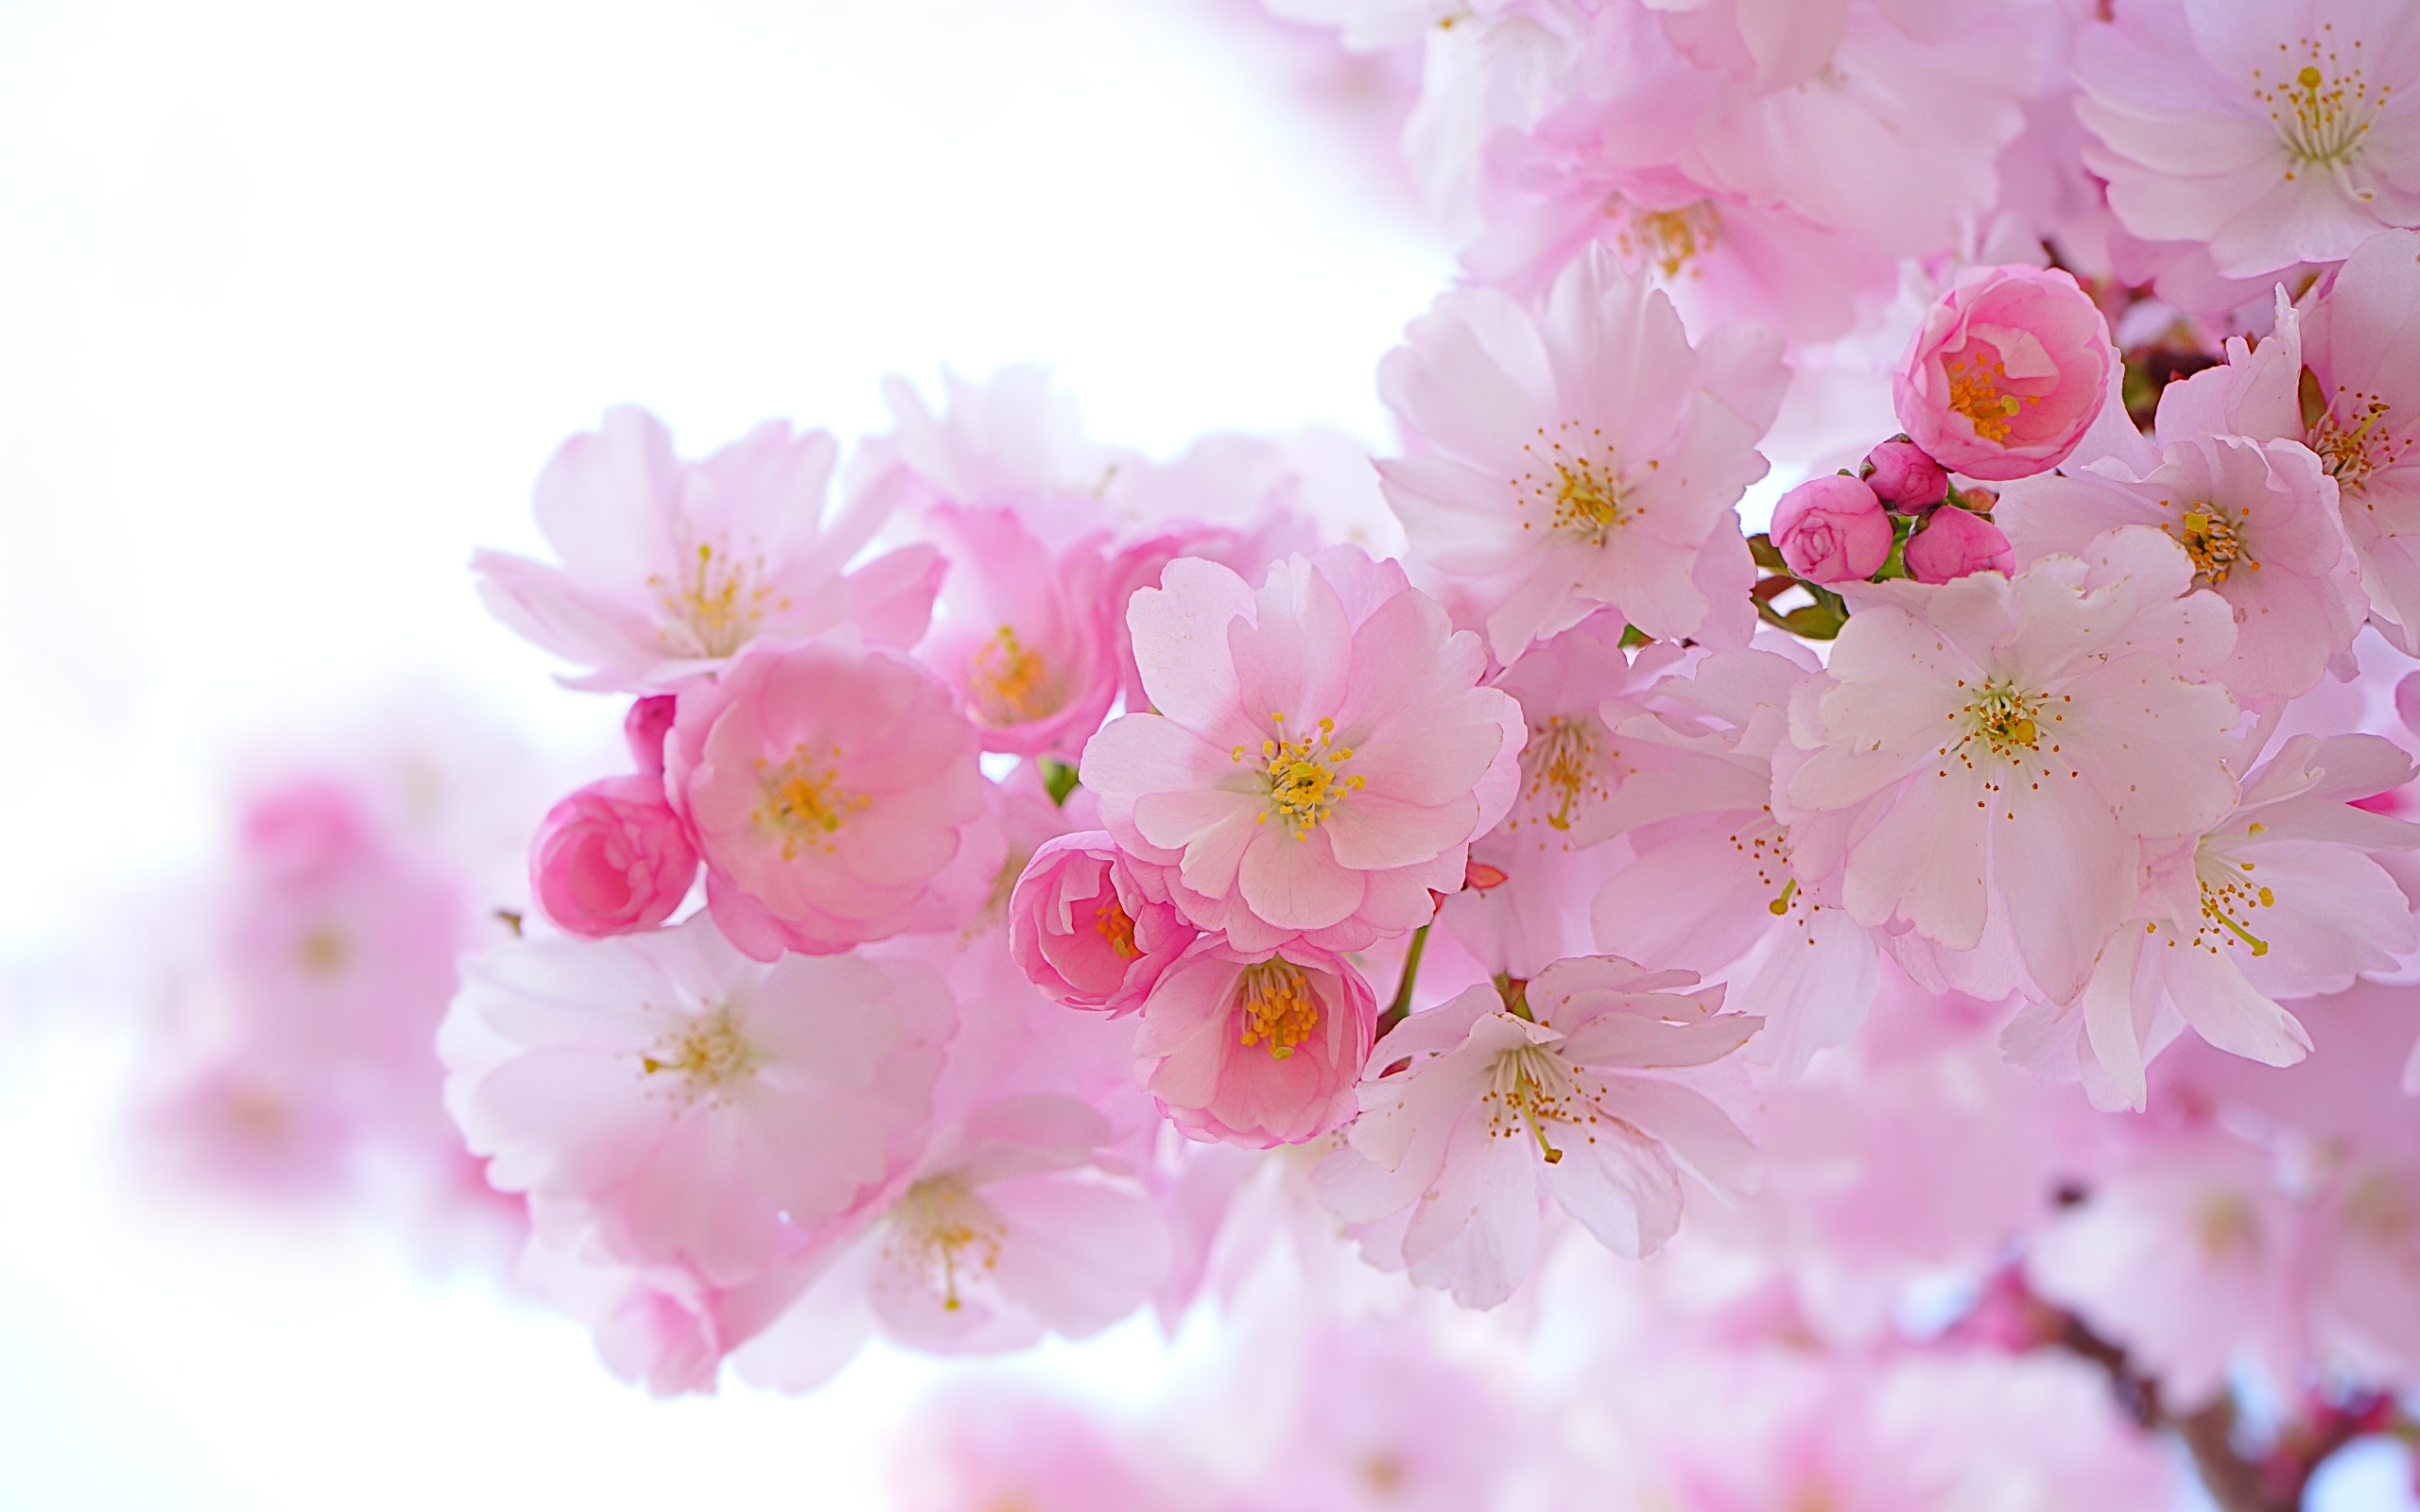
[1084,931]
[1708,884]
[1582,456]
[1005,1230]
[1971,741]
[1509,1099]
[2282,900]
[1024,635]
[2274,133]
[671,567]
[2357,343]
[1573,690]
[829,789]
[2006,374]
[1321,758]
[692,1106]
[611,858]
[1255,1048]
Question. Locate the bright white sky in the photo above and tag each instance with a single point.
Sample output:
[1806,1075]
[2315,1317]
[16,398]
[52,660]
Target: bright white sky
[294,300]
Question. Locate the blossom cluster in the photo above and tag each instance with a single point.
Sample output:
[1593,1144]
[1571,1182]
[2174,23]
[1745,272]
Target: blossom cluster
[1049,882]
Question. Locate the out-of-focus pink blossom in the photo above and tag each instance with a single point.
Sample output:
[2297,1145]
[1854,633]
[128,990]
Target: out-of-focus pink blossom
[1024,635]
[670,567]
[827,788]
[1582,456]
[692,1106]
[2274,134]
[1448,1161]
[1954,542]
[1832,529]
[1904,478]
[1007,1229]
[1971,741]
[1257,1048]
[1084,931]
[2006,373]
[984,1446]
[1322,755]
[611,858]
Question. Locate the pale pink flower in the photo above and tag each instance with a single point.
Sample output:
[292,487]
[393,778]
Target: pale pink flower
[1996,749]
[1832,529]
[2180,1257]
[1582,456]
[1321,758]
[2259,521]
[2283,899]
[1708,884]
[828,788]
[2275,133]
[1255,1048]
[1007,1229]
[1085,932]
[1573,690]
[693,1106]
[1014,442]
[611,858]
[670,567]
[1024,634]
[663,1327]
[1955,543]
[2359,342]
[1448,1161]
[2006,373]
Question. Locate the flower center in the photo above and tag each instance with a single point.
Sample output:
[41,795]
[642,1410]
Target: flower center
[939,1229]
[324,951]
[1278,1008]
[2224,1224]
[1529,1087]
[805,803]
[1979,390]
[1302,776]
[1112,923]
[2352,451]
[2229,896]
[710,1055]
[1582,493]
[1668,240]
[1007,678]
[2211,541]
[2004,719]
[716,601]
[1563,769]
[2325,108]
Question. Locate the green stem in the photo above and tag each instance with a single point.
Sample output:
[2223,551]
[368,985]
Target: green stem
[1400,1008]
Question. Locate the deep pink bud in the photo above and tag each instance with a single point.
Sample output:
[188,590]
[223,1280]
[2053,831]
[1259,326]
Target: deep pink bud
[1085,932]
[611,858]
[1832,529]
[644,728]
[1953,542]
[1904,478]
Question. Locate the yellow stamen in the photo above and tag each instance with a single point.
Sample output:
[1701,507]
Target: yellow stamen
[805,803]
[1109,918]
[1978,390]
[1304,777]
[1277,1006]
[1008,681]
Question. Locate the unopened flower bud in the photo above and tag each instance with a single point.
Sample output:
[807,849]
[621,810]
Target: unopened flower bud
[1832,530]
[1954,542]
[1904,478]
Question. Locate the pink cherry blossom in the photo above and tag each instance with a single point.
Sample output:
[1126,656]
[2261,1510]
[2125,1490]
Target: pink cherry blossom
[828,789]
[1708,884]
[1995,749]
[1007,1229]
[1573,688]
[1321,757]
[692,1106]
[2358,343]
[1582,456]
[1832,529]
[2259,520]
[611,858]
[1014,442]
[1085,932]
[2283,899]
[1508,1100]
[2273,133]
[1955,543]
[663,1327]
[1255,1048]
[671,567]
[2006,373]
[1022,635]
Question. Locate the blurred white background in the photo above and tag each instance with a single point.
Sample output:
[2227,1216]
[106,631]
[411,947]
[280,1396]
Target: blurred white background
[294,300]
